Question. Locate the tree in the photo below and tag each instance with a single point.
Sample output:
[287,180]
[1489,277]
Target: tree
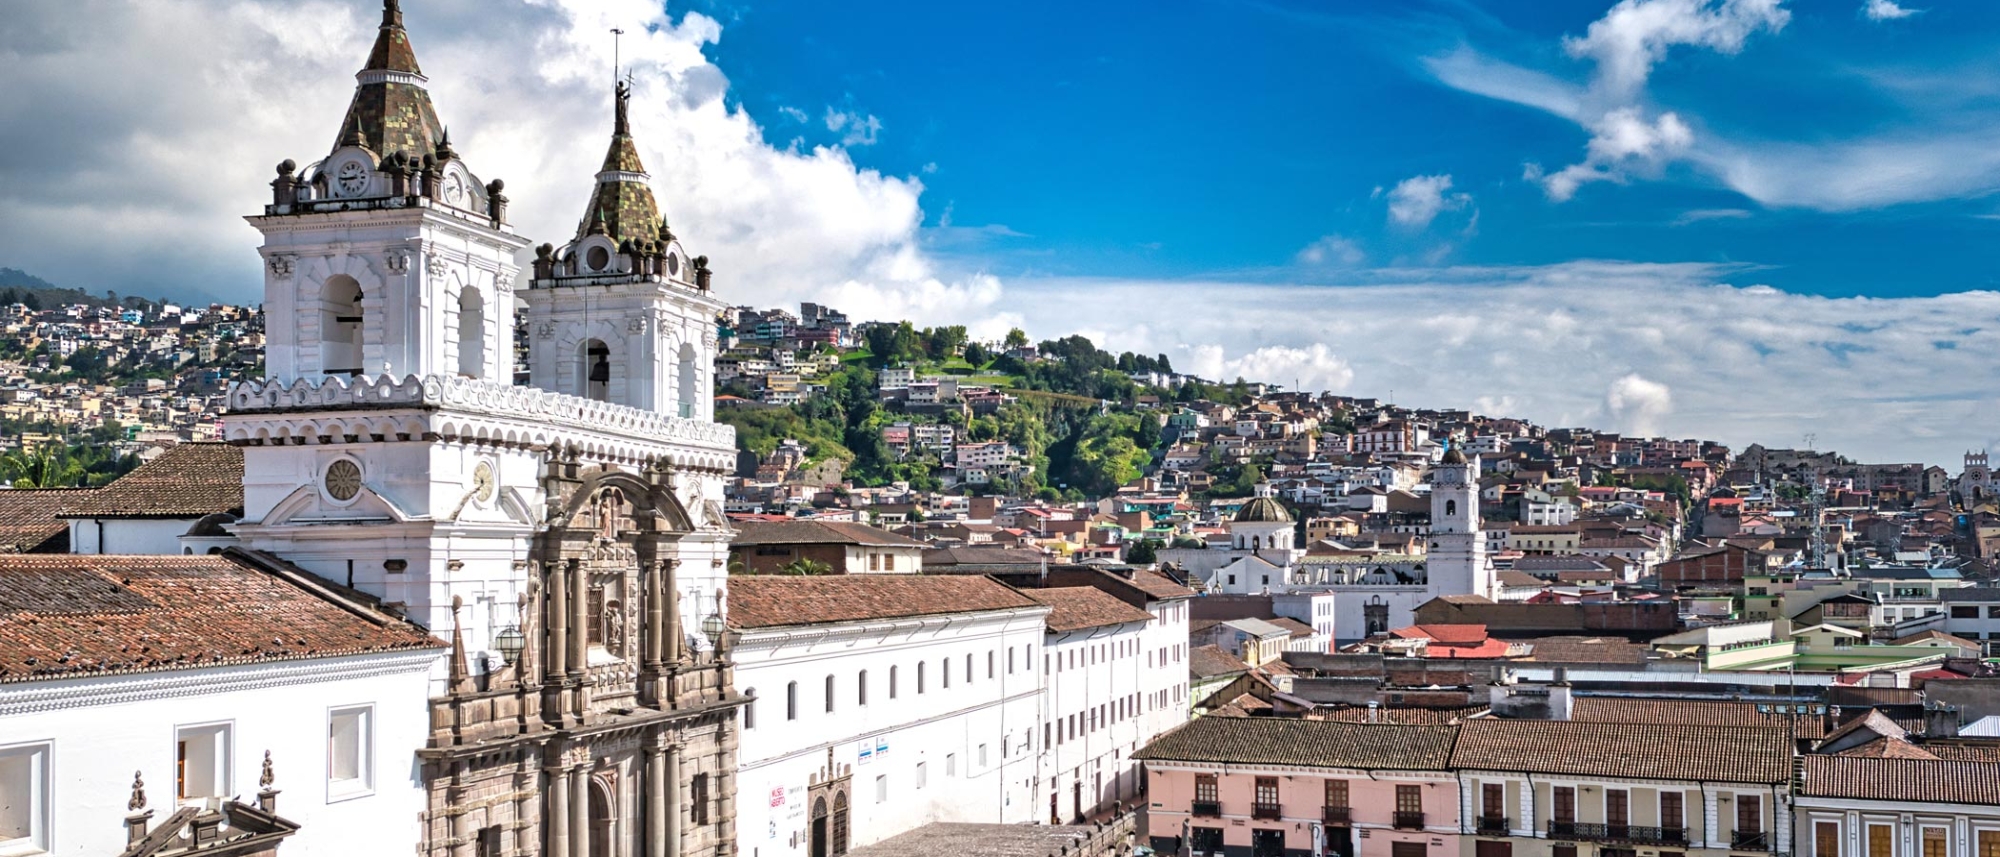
[1016,338]
[1143,552]
[42,469]
[977,355]
[805,567]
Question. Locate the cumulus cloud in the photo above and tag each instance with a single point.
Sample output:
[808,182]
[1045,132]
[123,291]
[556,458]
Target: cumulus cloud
[1635,34]
[1332,250]
[142,185]
[1637,405]
[1563,344]
[1885,10]
[1415,201]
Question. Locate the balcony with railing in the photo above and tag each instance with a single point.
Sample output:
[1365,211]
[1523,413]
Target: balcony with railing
[1335,816]
[1495,824]
[1205,808]
[1267,811]
[1633,833]
[1750,840]
[1409,820]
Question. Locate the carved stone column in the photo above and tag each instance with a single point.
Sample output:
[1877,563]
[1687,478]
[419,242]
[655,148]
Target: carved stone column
[579,810]
[579,638]
[675,639]
[557,637]
[675,811]
[656,798]
[555,821]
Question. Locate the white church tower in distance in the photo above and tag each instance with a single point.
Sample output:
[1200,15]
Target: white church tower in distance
[1457,554]
[566,537]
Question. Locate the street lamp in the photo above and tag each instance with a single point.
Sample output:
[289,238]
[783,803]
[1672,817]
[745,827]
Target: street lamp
[510,642]
[711,627]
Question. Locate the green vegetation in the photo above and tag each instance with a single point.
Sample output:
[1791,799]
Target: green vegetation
[87,463]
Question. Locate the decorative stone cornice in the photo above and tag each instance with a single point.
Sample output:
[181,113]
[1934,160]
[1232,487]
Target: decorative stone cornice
[57,694]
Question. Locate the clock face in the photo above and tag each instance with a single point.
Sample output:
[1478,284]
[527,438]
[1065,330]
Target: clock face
[343,480]
[454,190]
[352,178]
[482,482]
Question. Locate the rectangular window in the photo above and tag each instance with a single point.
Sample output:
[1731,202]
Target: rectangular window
[1010,660]
[982,751]
[24,798]
[1564,800]
[951,764]
[1267,791]
[698,799]
[920,676]
[1206,789]
[881,789]
[921,775]
[1409,799]
[968,667]
[489,842]
[1617,807]
[1989,843]
[350,745]
[829,694]
[1749,815]
[989,663]
[861,688]
[944,671]
[1881,840]
[1826,839]
[1492,848]
[1935,844]
[1492,800]
[892,682]
[1336,793]
[201,762]
[792,700]
[1670,811]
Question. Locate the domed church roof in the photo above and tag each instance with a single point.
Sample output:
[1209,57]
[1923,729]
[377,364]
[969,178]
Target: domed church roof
[1263,510]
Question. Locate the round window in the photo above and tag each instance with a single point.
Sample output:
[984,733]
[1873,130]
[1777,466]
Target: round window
[673,263]
[598,258]
[343,480]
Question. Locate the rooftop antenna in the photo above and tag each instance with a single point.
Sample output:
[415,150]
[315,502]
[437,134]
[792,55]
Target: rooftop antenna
[615,33]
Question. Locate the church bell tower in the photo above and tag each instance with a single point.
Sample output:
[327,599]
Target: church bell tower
[1457,563]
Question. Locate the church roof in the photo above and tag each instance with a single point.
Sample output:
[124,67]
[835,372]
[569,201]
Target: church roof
[622,205]
[1263,510]
[1454,455]
[391,113]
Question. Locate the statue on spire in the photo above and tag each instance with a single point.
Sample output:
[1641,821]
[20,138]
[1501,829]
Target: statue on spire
[624,97]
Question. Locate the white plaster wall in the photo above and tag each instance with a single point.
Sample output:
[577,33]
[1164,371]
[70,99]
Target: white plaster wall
[97,741]
[779,756]
[1098,760]
[127,535]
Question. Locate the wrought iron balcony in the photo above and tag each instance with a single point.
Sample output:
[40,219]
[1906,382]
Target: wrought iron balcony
[1634,833]
[1495,824]
[1750,840]
[1409,820]
[1269,811]
[1205,809]
[1335,816]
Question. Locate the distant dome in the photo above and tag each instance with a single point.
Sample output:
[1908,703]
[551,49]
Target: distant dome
[1263,510]
[1452,455]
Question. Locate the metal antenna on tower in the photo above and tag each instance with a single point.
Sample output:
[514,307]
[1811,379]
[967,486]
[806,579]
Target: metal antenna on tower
[615,33]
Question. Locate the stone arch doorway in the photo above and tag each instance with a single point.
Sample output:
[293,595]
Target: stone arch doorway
[821,836]
[603,821]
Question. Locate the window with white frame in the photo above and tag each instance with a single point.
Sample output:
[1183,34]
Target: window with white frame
[24,799]
[350,751]
[920,775]
[881,789]
[201,762]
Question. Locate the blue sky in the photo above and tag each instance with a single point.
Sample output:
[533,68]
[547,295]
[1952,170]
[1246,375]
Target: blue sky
[1744,220]
[1195,138]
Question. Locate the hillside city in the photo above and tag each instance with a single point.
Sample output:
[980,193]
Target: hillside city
[462,542]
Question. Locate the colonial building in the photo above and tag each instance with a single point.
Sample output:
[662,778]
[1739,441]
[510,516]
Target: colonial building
[568,536]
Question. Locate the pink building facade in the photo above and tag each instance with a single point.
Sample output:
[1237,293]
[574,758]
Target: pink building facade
[1231,787]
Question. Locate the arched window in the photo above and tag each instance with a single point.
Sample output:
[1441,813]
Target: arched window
[688,381]
[892,682]
[750,708]
[471,333]
[340,327]
[920,676]
[861,688]
[829,694]
[1450,508]
[792,701]
[593,370]
[840,822]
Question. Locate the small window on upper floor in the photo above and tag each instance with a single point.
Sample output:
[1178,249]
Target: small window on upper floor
[201,762]
[24,799]
[350,745]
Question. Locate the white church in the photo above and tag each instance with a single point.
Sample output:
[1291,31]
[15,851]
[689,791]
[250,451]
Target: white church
[1370,597]
[493,613]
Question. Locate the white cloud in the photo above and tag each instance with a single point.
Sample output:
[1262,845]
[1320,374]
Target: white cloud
[164,165]
[1885,10]
[1332,250]
[1701,214]
[861,129]
[794,114]
[1903,379]
[1635,34]
[1637,405]
[1417,200]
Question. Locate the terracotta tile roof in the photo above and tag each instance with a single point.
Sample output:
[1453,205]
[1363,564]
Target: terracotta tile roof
[1888,748]
[816,533]
[1448,634]
[1595,650]
[770,601]
[1298,628]
[188,481]
[1209,661]
[1738,754]
[31,517]
[1159,586]
[1404,715]
[1074,608]
[1317,743]
[1970,750]
[1902,780]
[1612,709]
[63,614]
